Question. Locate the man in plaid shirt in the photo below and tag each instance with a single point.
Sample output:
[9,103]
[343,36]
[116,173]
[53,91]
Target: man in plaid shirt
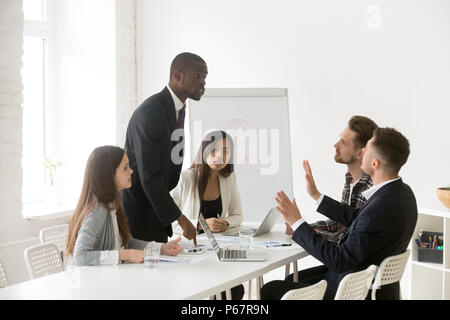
[349,151]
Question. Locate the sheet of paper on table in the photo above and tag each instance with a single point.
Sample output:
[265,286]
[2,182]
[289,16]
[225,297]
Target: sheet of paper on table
[181,259]
[219,237]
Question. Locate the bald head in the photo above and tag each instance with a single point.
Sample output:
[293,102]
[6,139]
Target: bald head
[183,61]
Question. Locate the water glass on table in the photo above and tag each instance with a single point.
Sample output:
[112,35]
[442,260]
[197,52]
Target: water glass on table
[246,238]
[151,255]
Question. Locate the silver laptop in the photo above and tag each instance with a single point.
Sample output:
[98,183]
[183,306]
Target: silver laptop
[229,255]
[269,221]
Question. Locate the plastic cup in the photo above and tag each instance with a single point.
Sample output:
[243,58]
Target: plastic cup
[151,255]
[246,238]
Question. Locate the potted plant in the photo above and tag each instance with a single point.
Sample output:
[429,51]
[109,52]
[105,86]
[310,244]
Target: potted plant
[55,191]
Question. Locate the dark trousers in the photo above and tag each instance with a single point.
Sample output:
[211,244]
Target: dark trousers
[237,293]
[274,290]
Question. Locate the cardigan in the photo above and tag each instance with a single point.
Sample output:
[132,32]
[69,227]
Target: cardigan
[186,197]
[96,235]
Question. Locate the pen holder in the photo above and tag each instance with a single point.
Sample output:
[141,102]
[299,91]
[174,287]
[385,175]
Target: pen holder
[428,254]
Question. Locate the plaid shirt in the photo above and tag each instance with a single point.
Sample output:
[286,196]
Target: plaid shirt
[333,230]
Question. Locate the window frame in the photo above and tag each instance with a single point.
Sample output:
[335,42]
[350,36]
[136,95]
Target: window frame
[39,29]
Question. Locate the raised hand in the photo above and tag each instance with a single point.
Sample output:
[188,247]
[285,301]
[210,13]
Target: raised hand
[288,209]
[310,183]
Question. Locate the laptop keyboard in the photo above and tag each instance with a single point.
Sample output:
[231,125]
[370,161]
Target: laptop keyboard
[233,254]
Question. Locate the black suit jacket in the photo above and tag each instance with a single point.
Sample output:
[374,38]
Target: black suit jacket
[148,205]
[382,227]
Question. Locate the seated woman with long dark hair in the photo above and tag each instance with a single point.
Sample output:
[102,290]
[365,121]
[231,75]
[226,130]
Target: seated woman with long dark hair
[209,186]
[98,230]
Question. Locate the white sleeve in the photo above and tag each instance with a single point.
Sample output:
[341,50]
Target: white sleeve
[319,201]
[297,224]
[177,195]
[235,216]
[301,220]
[109,257]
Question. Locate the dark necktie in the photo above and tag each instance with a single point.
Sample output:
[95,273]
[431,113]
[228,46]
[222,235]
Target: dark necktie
[181,114]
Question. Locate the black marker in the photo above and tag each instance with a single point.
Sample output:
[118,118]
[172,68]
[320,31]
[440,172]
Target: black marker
[280,245]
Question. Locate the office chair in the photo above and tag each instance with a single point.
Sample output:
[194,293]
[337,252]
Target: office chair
[391,270]
[3,276]
[42,260]
[313,292]
[56,235]
[355,286]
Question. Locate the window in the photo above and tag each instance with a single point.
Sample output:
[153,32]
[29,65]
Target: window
[69,97]
[34,100]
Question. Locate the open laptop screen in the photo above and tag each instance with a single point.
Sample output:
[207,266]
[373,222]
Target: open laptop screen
[208,232]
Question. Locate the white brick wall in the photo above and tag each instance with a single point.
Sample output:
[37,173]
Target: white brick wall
[11,26]
[16,233]
[126,65]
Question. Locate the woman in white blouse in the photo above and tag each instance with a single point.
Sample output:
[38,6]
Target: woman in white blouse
[209,186]
[98,230]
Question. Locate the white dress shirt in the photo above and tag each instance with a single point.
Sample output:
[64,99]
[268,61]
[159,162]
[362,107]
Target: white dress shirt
[370,192]
[352,185]
[177,102]
[367,194]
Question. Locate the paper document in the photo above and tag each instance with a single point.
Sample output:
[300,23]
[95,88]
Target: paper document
[191,246]
[220,237]
[181,259]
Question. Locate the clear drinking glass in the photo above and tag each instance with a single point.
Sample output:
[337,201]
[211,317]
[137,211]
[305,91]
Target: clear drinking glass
[246,238]
[151,255]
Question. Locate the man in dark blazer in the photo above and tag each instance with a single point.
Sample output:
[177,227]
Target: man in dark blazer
[154,145]
[382,227]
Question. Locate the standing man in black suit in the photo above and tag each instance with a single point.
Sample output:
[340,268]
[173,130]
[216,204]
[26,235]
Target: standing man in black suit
[382,227]
[154,145]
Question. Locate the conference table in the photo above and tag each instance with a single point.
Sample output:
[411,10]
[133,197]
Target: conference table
[170,281]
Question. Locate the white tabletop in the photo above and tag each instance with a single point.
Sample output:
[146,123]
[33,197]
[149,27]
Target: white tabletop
[168,282]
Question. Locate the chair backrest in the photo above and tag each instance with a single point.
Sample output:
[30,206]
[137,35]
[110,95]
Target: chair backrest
[3,277]
[42,260]
[313,292]
[355,286]
[390,271]
[56,235]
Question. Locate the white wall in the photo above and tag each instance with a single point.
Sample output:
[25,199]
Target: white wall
[388,60]
[125,66]
[322,51]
